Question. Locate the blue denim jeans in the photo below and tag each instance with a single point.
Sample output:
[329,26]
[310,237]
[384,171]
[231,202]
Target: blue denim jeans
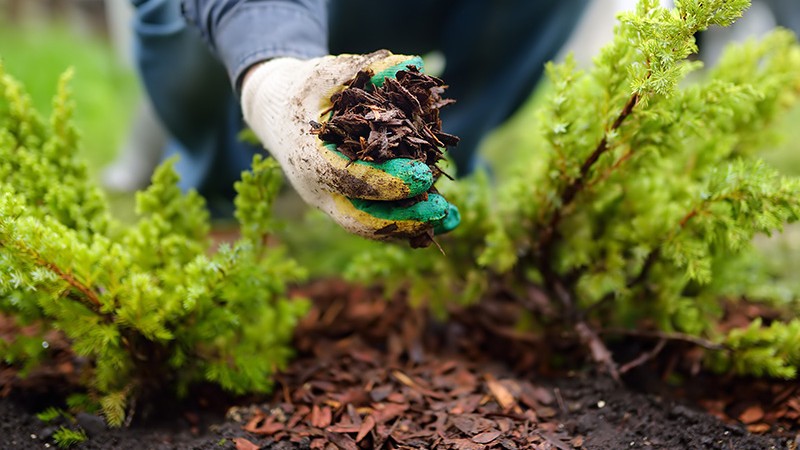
[787,13]
[494,51]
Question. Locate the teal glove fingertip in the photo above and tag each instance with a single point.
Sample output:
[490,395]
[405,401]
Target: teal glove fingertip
[449,222]
[434,209]
[391,72]
[416,175]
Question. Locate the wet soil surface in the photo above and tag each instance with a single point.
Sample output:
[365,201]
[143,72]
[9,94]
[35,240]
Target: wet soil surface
[375,374]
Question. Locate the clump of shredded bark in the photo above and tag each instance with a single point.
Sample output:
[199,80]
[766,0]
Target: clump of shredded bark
[399,119]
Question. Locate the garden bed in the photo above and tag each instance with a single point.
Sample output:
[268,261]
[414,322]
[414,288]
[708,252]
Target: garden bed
[376,374]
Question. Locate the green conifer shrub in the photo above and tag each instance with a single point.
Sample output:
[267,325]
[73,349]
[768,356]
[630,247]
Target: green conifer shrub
[638,206]
[150,305]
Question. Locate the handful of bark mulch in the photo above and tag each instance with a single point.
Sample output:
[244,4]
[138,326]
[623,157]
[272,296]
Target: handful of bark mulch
[397,120]
[400,119]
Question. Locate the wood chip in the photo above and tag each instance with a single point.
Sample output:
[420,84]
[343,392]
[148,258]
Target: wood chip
[366,427]
[502,395]
[486,437]
[758,428]
[752,414]
[342,441]
[244,444]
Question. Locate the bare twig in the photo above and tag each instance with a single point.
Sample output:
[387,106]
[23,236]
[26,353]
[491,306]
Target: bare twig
[572,189]
[669,336]
[560,400]
[687,217]
[600,353]
[131,412]
[644,357]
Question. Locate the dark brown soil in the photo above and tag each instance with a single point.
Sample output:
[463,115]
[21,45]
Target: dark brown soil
[374,374]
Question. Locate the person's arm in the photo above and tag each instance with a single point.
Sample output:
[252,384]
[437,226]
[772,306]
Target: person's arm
[274,43]
[245,32]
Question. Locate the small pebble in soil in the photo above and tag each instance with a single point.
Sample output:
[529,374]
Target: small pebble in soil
[47,432]
[601,404]
[92,424]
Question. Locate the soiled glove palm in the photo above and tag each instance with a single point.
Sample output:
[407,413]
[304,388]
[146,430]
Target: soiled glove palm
[281,97]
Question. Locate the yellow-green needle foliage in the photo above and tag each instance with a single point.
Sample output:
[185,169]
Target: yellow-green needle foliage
[641,201]
[150,306]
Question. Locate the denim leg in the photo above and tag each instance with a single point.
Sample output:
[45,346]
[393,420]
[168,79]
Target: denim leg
[495,51]
[192,96]
[787,13]
[495,54]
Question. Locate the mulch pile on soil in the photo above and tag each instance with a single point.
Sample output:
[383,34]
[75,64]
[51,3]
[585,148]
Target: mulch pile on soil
[376,374]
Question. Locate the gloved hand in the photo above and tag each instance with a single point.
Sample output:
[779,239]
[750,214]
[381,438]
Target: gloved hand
[279,99]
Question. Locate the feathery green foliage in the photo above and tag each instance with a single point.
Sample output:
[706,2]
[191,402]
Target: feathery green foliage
[151,305]
[642,209]
[50,414]
[67,437]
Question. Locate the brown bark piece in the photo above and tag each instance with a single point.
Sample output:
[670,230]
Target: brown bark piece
[752,414]
[244,444]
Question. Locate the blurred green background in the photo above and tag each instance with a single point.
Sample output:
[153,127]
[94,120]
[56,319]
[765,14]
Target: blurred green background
[105,91]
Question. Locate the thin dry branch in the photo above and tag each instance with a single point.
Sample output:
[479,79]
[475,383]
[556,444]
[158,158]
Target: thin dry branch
[666,335]
[572,189]
[643,358]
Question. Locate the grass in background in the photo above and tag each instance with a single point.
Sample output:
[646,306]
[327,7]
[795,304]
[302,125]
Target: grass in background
[104,91]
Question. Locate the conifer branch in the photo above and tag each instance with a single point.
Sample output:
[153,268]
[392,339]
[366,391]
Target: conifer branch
[654,254]
[569,193]
[687,218]
[89,294]
[651,259]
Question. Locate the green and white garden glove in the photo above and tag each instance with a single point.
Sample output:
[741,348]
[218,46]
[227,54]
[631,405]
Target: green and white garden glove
[282,96]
